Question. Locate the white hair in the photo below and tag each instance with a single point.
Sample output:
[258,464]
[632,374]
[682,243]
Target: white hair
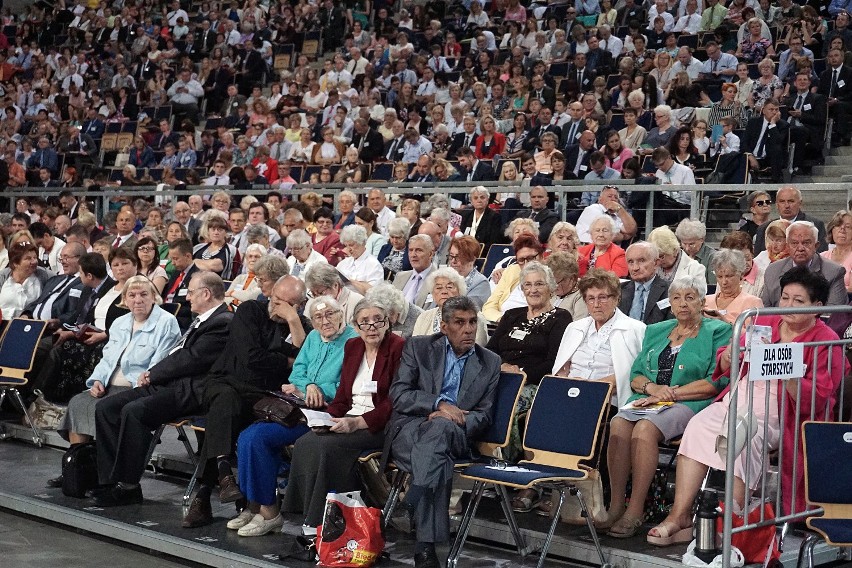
[803,224]
[691,229]
[353,234]
[451,275]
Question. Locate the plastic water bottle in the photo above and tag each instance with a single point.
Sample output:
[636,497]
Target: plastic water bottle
[705,526]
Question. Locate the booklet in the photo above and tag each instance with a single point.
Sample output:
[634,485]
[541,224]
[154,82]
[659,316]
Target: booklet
[652,409]
[318,419]
[717,133]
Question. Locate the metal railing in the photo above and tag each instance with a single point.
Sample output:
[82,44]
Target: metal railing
[763,494]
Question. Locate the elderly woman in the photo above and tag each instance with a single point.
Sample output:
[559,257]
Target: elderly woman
[729,301]
[326,242]
[567,274]
[662,133]
[674,263]
[776,244]
[839,233]
[314,378]
[752,282]
[442,284]
[675,365]
[216,254]
[302,254]
[527,338]
[324,462]
[800,288]
[393,256]
[366,218]
[464,251]
[760,207]
[410,210]
[137,341]
[692,235]
[346,201]
[480,221]
[508,294]
[20,283]
[245,287]
[601,252]
[324,280]
[563,238]
[402,314]
[360,267]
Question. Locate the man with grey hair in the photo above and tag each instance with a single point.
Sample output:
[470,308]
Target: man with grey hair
[377,202]
[644,297]
[302,254]
[789,201]
[279,146]
[421,253]
[267,271]
[439,238]
[802,239]
[692,234]
[324,280]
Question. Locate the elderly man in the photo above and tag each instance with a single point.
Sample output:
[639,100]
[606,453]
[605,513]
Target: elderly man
[421,253]
[692,233]
[577,156]
[184,95]
[441,217]
[324,280]
[369,142]
[302,254]
[686,62]
[609,203]
[442,399]
[789,203]
[124,236]
[644,297]
[183,215]
[539,212]
[377,202]
[60,295]
[167,391]
[264,337]
[279,146]
[440,241]
[422,172]
[802,238]
[176,290]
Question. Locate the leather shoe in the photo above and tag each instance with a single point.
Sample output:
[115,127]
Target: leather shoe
[56,482]
[118,496]
[229,491]
[427,559]
[200,513]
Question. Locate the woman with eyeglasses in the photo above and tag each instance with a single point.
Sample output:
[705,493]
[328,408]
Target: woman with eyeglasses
[20,284]
[149,263]
[245,286]
[508,293]
[675,365]
[326,242]
[315,378]
[443,284]
[776,244]
[839,233]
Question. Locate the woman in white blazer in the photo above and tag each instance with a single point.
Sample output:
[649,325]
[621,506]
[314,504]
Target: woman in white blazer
[603,345]
[674,263]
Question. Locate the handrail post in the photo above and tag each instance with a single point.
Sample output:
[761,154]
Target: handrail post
[649,214]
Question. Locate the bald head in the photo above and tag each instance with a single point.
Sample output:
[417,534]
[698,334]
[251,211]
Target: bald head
[431,230]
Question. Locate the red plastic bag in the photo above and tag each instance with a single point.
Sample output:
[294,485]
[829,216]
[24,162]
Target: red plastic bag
[759,546]
[351,532]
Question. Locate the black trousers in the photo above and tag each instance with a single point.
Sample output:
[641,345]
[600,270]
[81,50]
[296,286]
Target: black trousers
[125,423]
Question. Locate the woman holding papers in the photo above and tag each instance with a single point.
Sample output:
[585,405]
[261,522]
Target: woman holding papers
[675,366]
[315,377]
[799,288]
[328,461]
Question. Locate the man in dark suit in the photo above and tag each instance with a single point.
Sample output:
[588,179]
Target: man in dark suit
[206,37]
[466,139]
[577,156]
[166,136]
[93,125]
[395,148]
[802,241]
[368,141]
[232,102]
[183,215]
[765,139]
[629,12]
[807,112]
[60,295]
[538,212]
[533,140]
[442,399]
[572,129]
[789,203]
[167,391]
[473,169]
[598,61]
[542,92]
[835,84]
[581,74]
[253,69]
[644,297]
[176,290]
[263,338]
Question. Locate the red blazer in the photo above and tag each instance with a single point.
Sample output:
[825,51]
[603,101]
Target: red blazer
[613,260]
[324,248]
[498,144]
[384,371]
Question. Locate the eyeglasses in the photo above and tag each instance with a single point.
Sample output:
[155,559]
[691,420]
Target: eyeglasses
[763,202]
[146,249]
[329,316]
[67,257]
[531,285]
[191,291]
[367,325]
[599,299]
[526,259]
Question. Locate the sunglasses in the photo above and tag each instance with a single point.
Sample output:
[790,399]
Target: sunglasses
[762,202]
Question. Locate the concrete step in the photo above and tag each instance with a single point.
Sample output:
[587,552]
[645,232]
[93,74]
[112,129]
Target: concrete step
[832,171]
[840,160]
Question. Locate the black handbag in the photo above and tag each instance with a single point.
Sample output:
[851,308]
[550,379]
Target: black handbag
[80,470]
[283,409]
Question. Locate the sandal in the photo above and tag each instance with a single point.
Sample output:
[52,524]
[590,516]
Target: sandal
[525,504]
[545,508]
[611,519]
[626,527]
[669,533]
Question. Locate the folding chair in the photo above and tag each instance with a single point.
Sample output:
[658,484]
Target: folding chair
[556,458]
[173,307]
[497,436]
[496,253]
[17,352]
[197,424]
[827,444]
[180,426]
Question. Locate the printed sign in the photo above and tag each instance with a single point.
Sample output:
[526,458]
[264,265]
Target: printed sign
[777,361]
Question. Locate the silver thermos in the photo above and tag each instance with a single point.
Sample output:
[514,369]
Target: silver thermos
[705,526]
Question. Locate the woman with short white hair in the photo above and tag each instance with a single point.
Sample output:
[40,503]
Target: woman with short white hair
[393,256]
[480,221]
[729,301]
[674,263]
[442,284]
[245,287]
[361,268]
[302,254]
[402,314]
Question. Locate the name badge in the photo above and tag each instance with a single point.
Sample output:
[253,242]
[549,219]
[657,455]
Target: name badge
[289,339]
[664,303]
[518,334]
[584,168]
[182,292]
[722,312]
[841,83]
[370,387]
[366,144]
[74,292]
[806,107]
[429,299]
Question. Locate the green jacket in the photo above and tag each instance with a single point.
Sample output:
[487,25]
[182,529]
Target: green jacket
[704,256]
[695,361]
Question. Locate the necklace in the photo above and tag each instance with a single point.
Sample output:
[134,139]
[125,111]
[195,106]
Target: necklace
[679,336]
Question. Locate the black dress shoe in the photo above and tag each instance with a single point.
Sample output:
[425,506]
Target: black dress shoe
[119,496]
[56,482]
[427,559]
[200,513]
[229,491]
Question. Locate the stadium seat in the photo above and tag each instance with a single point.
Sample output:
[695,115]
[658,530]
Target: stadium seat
[17,354]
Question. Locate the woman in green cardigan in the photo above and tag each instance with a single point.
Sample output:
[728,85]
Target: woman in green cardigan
[675,365]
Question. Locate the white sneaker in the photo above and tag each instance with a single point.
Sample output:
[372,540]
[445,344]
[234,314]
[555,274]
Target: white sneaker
[260,526]
[240,520]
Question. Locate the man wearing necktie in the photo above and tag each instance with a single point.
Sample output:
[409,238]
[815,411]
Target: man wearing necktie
[60,295]
[835,84]
[167,391]
[177,288]
[644,296]
[807,120]
[421,252]
[766,140]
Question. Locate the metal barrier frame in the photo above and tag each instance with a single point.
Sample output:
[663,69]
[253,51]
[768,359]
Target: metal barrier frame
[731,457]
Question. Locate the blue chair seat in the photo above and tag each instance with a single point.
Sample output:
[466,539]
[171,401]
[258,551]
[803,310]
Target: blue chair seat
[835,531]
[537,473]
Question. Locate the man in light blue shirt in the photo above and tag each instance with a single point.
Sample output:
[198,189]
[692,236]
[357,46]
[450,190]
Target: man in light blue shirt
[599,171]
